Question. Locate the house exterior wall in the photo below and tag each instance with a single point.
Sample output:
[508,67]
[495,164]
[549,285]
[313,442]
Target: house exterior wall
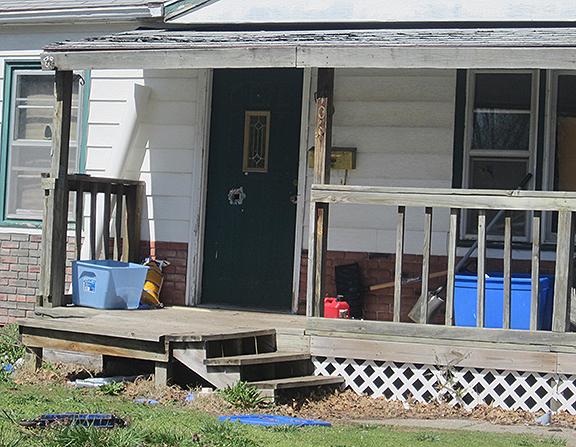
[20,247]
[167,127]
[163,151]
[168,142]
[401,122]
[338,11]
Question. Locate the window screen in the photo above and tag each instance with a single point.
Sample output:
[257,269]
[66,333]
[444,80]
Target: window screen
[500,139]
[29,145]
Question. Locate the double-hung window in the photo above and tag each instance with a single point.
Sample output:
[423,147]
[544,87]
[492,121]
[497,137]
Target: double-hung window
[500,139]
[26,139]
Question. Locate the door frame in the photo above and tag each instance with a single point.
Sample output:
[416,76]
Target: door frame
[200,187]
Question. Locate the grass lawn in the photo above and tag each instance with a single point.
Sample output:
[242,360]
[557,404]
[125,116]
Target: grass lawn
[176,425]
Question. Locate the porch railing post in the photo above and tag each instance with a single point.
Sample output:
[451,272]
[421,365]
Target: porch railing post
[134,209]
[318,231]
[55,225]
[563,281]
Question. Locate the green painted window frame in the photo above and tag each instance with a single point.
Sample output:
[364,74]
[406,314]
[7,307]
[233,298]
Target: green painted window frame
[10,67]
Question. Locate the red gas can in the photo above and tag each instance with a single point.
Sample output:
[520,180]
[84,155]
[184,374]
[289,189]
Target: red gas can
[336,308]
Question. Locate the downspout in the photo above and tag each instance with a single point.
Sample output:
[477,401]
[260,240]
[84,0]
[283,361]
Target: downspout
[120,154]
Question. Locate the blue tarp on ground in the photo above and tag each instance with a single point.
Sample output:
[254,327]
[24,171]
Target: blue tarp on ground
[269,420]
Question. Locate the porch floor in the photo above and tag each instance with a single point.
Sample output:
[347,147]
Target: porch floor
[155,325]
[221,346]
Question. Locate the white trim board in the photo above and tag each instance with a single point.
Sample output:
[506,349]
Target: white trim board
[308,82]
[200,183]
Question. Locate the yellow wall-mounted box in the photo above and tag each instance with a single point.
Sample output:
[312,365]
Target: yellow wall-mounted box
[341,158]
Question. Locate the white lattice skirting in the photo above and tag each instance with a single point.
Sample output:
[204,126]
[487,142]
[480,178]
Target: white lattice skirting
[468,387]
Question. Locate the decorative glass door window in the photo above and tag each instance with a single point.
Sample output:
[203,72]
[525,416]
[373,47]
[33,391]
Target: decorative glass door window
[29,141]
[256,141]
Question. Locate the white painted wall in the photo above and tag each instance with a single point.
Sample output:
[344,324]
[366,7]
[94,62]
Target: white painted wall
[401,122]
[302,11]
[163,152]
[167,135]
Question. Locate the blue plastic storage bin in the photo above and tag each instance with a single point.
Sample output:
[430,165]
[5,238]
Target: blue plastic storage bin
[465,300]
[107,284]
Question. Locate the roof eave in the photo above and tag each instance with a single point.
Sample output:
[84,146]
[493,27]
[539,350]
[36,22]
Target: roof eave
[295,56]
[104,14]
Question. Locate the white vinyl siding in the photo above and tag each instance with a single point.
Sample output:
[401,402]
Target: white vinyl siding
[165,144]
[401,122]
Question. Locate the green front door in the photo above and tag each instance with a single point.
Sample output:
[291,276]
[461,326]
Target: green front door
[252,186]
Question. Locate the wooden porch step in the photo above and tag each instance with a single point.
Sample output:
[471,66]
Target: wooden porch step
[222,336]
[257,359]
[297,382]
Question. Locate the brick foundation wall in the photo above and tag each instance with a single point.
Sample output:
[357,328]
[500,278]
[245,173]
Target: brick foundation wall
[19,275]
[174,287]
[377,268]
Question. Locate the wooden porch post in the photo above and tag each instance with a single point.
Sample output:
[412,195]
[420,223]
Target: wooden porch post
[318,229]
[564,269]
[55,222]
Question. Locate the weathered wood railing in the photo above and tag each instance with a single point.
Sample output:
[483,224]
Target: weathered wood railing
[121,207]
[561,203]
[118,195]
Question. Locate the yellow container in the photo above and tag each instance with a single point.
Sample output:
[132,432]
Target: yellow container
[154,281]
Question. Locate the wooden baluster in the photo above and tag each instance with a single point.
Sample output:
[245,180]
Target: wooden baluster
[534,311]
[119,218]
[426,264]
[400,227]
[563,275]
[507,268]
[452,238]
[481,268]
[134,210]
[93,212]
[79,219]
[106,220]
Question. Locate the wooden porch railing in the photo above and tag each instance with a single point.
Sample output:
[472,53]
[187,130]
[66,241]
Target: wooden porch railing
[125,195]
[122,200]
[561,203]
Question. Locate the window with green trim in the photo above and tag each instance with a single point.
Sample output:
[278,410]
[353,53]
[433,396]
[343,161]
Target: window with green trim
[26,139]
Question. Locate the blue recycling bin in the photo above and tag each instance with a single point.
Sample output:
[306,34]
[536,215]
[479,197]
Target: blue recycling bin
[107,284]
[465,300]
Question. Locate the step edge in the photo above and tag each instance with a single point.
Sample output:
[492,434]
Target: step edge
[241,360]
[277,383]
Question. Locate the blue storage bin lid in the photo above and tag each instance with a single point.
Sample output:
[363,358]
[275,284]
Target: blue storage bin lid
[498,278]
[108,263]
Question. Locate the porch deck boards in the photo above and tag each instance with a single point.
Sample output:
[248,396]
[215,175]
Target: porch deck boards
[156,325]
[148,334]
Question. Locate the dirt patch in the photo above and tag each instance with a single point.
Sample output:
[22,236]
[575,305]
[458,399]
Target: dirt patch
[146,388]
[49,373]
[347,405]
